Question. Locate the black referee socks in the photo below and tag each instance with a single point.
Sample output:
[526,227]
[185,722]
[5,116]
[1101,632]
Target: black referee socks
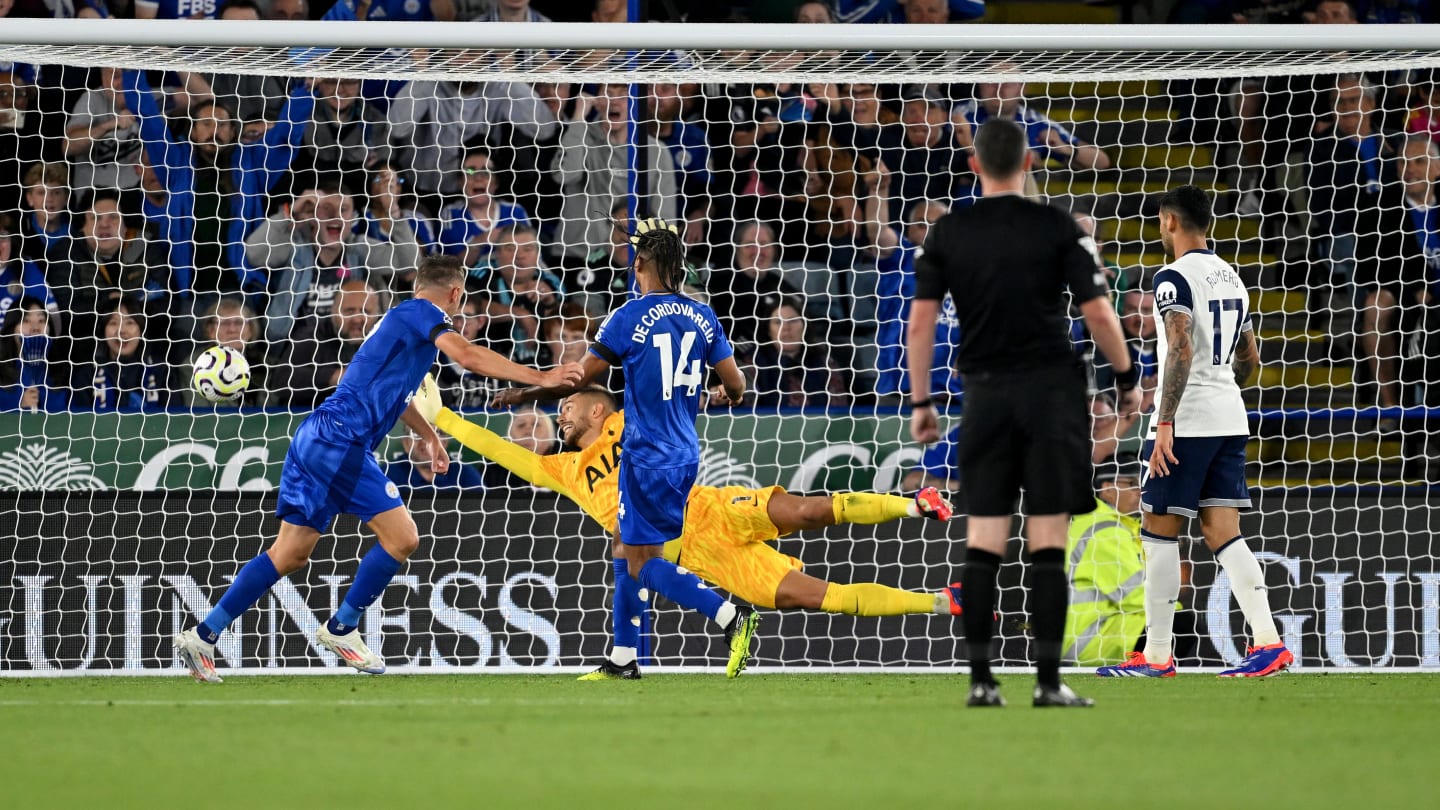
[982,569]
[1051,592]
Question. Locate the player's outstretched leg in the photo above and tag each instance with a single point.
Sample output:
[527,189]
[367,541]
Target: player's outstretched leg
[794,513]
[398,539]
[289,553]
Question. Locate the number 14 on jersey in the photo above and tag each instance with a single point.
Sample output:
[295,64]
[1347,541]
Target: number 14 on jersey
[673,372]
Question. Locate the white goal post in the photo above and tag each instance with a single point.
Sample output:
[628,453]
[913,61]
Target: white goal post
[284,177]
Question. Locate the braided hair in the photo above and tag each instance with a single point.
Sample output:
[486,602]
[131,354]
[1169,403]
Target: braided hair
[663,246]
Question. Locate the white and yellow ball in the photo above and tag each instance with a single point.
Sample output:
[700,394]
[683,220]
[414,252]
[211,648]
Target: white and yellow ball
[221,375]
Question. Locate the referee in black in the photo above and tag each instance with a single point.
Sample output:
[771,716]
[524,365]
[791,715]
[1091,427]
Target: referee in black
[1025,425]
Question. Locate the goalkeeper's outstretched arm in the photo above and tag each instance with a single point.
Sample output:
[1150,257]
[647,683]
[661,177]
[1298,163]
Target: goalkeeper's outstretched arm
[525,464]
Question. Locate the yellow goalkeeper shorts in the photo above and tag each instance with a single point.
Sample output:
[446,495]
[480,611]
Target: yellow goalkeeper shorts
[726,542]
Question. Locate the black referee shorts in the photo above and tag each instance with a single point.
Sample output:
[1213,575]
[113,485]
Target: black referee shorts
[1026,430]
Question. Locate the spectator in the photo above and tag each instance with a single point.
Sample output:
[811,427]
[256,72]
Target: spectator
[925,154]
[791,372]
[1137,318]
[252,98]
[431,122]
[755,284]
[533,430]
[289,10]
[216,189]
[894,291]
[610,11]
[46,224]
[390,217]
[230,323]
[1119,282]
[19,278]
[102,138]
[592,172]
[176,9]
[108,263]
[606,275]
[520,294]
[1047,138]
[469,228]
[125,374]
[689,150]
[512,11]
[442,10]
[21,141]
[27,382]
[413,468]
[1348,171]
[1397,269]
[314,360]
[814,12]
[908,11]
[310,250]
[346,135]
[567,337]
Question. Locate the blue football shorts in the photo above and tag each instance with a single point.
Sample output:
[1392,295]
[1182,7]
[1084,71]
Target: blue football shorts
[1209,471]
[324,477]
[652,502]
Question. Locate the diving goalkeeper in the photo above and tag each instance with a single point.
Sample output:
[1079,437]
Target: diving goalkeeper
[726,530]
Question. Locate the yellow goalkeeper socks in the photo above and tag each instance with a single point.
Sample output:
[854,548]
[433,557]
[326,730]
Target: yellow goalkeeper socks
[870,507]
[869,599]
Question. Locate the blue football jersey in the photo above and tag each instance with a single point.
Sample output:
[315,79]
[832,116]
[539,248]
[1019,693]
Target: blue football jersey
[664,341]
[387,369]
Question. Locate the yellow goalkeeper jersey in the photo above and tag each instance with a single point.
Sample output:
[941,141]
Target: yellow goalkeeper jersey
[727,529]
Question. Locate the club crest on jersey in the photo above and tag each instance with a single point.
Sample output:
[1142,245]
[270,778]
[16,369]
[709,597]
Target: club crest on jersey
[1166,294]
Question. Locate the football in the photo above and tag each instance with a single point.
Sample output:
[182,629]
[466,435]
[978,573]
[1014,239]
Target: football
[221,374]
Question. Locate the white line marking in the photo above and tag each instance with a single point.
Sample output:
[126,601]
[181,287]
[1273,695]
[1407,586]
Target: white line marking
[382,703]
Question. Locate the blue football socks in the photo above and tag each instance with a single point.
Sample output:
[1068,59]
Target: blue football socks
[254,579]
[681,587]
[376,570]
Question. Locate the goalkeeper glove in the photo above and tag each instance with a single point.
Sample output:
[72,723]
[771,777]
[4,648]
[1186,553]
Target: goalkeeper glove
[427,399]
[645,226]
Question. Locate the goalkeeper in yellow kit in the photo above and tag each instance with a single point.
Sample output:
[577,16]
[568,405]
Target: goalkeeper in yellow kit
[727,529]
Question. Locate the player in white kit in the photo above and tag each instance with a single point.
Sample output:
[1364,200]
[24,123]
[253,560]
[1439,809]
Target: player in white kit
[1195,450]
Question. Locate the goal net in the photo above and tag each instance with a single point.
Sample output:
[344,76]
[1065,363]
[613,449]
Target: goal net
[271,188]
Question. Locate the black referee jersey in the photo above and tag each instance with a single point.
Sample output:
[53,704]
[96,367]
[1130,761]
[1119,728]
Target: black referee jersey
[1007,262]
[1025,424]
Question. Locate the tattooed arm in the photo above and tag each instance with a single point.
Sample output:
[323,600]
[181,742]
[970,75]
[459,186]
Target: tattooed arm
[1177,363]
[1247,358]
[1177,372]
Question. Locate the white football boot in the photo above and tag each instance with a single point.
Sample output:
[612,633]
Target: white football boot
[352,650]
[198,656]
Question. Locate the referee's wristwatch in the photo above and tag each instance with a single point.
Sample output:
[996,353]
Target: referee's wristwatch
[1126,381]
[923,403]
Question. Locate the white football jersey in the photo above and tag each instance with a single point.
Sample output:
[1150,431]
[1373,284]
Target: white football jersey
[1208,289]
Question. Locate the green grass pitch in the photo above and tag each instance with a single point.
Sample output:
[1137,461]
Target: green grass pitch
[687,741]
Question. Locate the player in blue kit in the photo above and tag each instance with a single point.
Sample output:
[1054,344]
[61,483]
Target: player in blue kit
[664,341]
[331,468]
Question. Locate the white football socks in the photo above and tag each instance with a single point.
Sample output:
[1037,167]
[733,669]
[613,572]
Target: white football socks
[620,656]
[1162,591]
[1247,582]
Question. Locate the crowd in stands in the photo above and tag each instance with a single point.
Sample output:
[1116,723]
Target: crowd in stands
[146,215]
